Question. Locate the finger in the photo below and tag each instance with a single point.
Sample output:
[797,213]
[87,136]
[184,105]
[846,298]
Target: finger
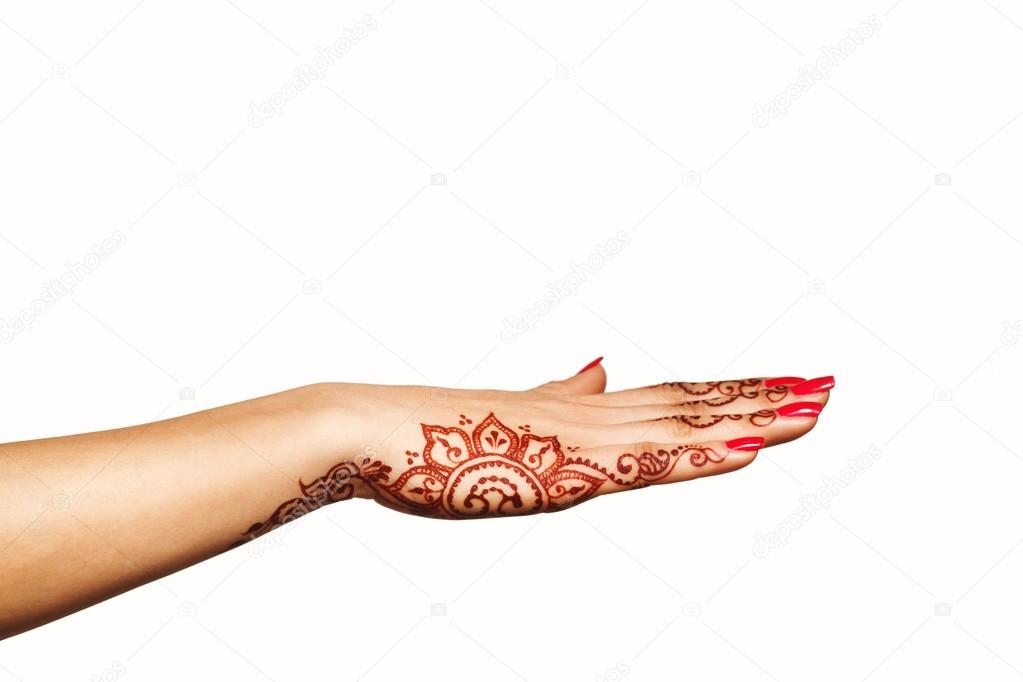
[776,426]
[684,391]
[638,465]
[589,381]
[816,390]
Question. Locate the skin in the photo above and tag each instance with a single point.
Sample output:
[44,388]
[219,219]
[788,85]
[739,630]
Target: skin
[89,516]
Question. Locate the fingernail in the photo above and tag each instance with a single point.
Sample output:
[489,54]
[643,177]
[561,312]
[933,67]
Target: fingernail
[590,366]
[818,385]
[745,444]
[782,381]
[800,409]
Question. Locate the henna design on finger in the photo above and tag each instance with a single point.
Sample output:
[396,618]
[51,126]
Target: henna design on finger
[774,396]
[638,471]
[715,402]
[730,391]
[747,388]
[704,421]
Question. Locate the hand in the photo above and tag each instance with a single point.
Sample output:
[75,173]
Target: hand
[461,454]
[144,501]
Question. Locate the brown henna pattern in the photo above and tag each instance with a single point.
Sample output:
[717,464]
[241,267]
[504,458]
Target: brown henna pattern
[729,390]
[492,471]
[637,471]
[334,486]
[747,388]
[704,421]
[495,471]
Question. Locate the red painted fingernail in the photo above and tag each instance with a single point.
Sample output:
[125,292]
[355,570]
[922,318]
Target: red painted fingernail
[590,366]
[800,409]
[818,385]
[745,444]
[782,381]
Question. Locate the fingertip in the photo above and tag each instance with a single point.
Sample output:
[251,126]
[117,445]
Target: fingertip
[818,385]
[746,444]
[590,365]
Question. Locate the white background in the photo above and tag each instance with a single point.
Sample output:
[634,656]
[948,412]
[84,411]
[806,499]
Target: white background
[315,247]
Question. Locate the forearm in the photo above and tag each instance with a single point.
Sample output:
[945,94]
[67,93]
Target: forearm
[89,516]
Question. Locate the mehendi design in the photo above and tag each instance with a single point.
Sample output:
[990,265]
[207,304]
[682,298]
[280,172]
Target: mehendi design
[728,390]
[747,388]
[492,471]
[637,471]
[334,486]
[495,471]
[703,421]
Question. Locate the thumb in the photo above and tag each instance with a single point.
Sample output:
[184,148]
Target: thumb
[589,380]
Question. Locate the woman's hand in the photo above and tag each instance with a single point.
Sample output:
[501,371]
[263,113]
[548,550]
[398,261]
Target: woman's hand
[88,516]
[460,454]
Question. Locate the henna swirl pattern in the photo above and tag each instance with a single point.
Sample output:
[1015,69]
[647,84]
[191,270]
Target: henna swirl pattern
[637,471]
[747,388]
[729,390]
[493,471]
[334,486]
[703,421]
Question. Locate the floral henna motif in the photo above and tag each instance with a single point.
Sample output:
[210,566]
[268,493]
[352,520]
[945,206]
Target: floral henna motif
[493,471]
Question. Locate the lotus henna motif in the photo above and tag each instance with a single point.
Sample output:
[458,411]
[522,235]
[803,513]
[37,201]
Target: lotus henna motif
[495,471]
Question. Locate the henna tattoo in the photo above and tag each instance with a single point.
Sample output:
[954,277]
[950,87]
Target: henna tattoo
[334,486]
[637,471]
[495,471]
[729,390]
[492,471]
[703,421]
[747,388]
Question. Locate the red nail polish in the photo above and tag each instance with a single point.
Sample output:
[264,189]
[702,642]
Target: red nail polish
[590,366]
[782,381]
[818,385]
[745,444]
[800,409]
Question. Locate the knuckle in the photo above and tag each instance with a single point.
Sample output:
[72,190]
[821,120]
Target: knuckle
[693,409]
[679,430]
[644,446]
[669,391]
